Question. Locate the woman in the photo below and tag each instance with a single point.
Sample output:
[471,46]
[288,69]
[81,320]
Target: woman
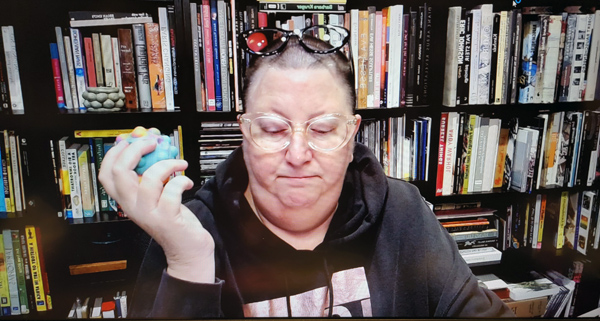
[299,221]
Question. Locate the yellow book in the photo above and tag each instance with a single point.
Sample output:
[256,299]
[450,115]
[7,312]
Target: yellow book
[10,203]
[472,124]
[363,58]
[93,133]
[542,219]
[562,219]
[4,290]
[501,160]
[180,133]
[36,272]
[85,180]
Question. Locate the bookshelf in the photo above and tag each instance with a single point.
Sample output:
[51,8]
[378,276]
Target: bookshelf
[71,244]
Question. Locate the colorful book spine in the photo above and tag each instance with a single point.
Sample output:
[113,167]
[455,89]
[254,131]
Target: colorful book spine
[74,181]
[209,61]
[172,38]
[127,69]
[441,155]
[85,179]
[58,89]
[36,272]
[4,286]
[165,49]
[99,156]
[155,66]
[63,68]
[15,167]
[20,270]
[141,62]
[78,64]
[11,271]
[90,66]
[223,55]
[214,28]
[9,172]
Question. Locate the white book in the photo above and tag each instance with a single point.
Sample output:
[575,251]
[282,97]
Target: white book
[451,65]
[473,160]
[491,154]
[165,47]
[395,55]
[224,55]
[551,63]
[578,118]
[400,125]
[78,64]
[481,255]
[532,289]
[371,56]
[74,181]
[141,62]
[594,60]
[450,153]
[474,72]
[63,68]
[542,39]
[406,157]
[557,127]
[377,64]
[12,69]
[485,54]
[108,64]
[71,70]
[11,271]
[542,161]
[521,157]
[480,150]
[117,62]
[354,35]
[14,159]
[576,77]
[500,64]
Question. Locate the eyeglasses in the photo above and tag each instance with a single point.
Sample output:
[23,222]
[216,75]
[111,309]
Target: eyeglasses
[270,41]
[273,133]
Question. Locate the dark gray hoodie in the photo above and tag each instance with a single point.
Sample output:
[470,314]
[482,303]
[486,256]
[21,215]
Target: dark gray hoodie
[384,255]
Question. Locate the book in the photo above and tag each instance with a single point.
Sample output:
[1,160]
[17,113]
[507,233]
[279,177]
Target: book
[78,65]
[58,89]
[98,59]
[36,272]
[128,72]
[116,62]
[141,63]
[165,50]
[74,181]
[63,68]
[529,308]
[526,290]
[98,18]
[12,68]
[451,66]
[4,285]
[85,179]
[11,272]
[20,270]
[107,60]
[208,58]
[482,255]
[90,63]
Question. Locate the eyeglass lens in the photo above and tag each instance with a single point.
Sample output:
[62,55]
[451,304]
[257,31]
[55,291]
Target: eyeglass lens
[271,133]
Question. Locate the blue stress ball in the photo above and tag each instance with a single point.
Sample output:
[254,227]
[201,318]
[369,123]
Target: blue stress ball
[164,149]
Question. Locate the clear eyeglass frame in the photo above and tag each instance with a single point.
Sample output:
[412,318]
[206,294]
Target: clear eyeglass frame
[247,119]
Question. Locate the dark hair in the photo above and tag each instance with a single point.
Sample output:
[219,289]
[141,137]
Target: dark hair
[295,56]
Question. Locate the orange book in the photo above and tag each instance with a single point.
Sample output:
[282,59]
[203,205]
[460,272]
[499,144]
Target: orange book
[501,160]
[157,85]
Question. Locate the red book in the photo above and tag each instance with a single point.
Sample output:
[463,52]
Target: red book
[89,61]
[262,20]
[38,236]
[209,67]
[441,152]
[127,68]
[58,88]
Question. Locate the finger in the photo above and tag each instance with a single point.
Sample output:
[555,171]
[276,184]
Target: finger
[105,173]
[152,182]
[170,200]
[126,180]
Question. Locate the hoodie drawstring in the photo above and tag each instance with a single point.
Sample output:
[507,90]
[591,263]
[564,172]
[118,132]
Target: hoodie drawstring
[287,297]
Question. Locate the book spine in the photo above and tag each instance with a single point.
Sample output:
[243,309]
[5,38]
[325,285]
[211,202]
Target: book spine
[494,43]
[552,59]
[594,59]
[78,65]
[485,55]
[450,153]
[425,56]
[411,74]
[395,83]
[461,59]
[172,41]
[155,66]
[98,59]
[58,90]
[127,69]
[500,59]
[89,61]
[196,42]
[11,272]
[4,92]
[165,49]
[116,62]
[451,68]
[9,172]
[586,53]
[371,21]
[475,52]
[107,60]
[209,62]
[14,158]
[223,55]
[20,270]
[141,62]
[404,61]
[63,68]
[571,29]
[71,71]
[12,68]
[541,58]
[214,28]
[36,272]
[4,287]
[63,143]
[441,155]
[87,201]
[74,181]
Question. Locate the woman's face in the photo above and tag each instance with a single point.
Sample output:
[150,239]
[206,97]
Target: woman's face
[297,179]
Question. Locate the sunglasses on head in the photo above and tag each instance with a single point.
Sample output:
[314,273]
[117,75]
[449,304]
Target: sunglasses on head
[270,41]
